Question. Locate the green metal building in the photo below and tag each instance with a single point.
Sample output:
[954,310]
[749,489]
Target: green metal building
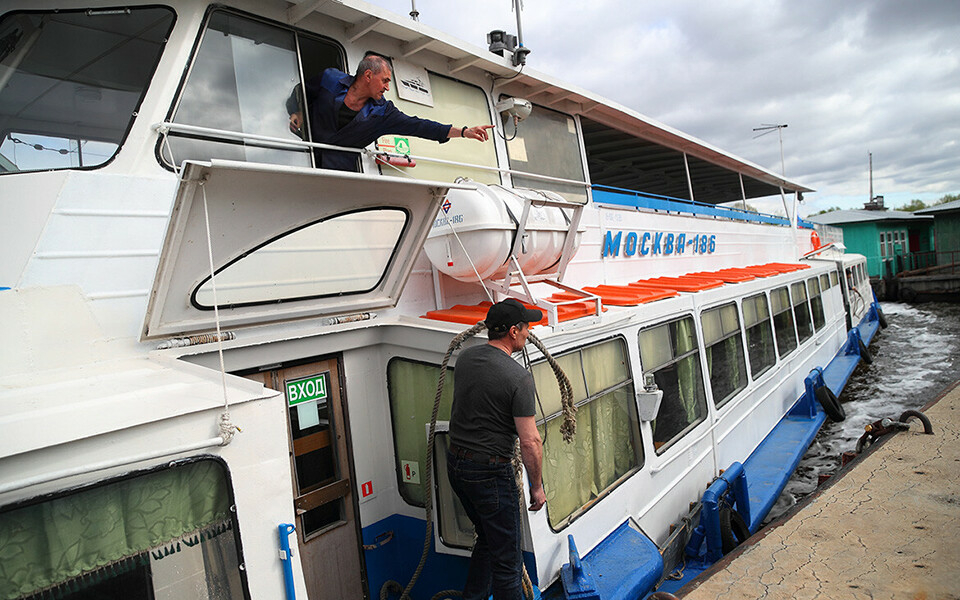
[890,239]
[946,231]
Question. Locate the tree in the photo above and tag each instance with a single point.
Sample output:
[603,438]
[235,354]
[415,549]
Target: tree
[915,204]
[828,210]
[947,198]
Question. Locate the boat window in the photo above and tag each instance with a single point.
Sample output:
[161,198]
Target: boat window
[71,83]
[834,278]
[783,321]
[546,143]
[816,302]
[241,78]
[726,365]
[801,311]
[669,352]
[607,446]
[825,282]
[456,103]
[760,348]
[412,387]
[348,253]
[137,537]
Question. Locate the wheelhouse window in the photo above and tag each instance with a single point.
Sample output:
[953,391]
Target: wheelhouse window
[801,310]
[669,352]
[546,143]
[607,446]
[72,82]
[760,348]
[783,321]
[345,254]
[158,534]
[242,75]
[454,102]
[726,365]
[816,302]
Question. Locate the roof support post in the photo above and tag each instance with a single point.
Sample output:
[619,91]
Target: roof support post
[743,191]
[686,167]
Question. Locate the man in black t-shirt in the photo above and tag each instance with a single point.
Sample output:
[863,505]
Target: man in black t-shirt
[493,405]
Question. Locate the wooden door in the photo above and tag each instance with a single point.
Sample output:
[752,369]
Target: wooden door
[327,528]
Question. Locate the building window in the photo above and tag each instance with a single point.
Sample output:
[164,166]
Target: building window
[760,348]
[607,446]
[73,82]
[669,352]
[883,244]
[726,365]
[816,302]
[801,311]
[161,534]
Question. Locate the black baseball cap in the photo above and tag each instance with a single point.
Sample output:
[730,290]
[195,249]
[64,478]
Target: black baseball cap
[504,315]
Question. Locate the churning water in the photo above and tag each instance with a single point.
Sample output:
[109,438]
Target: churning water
[914,359]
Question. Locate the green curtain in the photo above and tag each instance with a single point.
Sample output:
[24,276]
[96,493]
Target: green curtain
[688,372]
[413,387]
[604,449]
[45,544]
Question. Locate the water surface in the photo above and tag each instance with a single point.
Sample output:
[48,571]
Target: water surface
[914,359]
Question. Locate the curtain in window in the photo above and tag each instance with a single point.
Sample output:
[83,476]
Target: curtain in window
[413,387]
[688,373]
[45,544]
[603,450]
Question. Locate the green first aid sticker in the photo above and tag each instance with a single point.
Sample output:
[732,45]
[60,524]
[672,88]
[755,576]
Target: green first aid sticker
[307,389]
[401,145]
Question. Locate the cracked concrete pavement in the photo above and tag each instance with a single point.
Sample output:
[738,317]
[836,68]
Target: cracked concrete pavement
[887,527]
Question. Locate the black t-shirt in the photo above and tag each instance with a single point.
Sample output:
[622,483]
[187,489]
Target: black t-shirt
[490,389]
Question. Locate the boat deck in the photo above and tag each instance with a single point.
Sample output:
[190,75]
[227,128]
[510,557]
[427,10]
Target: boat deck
[885,527]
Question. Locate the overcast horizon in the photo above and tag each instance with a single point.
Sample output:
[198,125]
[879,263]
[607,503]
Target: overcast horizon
[846,78]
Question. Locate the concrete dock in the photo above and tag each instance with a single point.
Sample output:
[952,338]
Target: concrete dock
[886,526]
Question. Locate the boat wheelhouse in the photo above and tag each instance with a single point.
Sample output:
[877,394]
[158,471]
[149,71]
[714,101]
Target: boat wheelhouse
[221,360]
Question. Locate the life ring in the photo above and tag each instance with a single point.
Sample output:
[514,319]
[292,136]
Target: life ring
[815,240]
[865,353]
[882,318]
[733,529]
[830,404]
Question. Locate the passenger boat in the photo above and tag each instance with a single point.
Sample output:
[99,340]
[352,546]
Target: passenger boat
[220,362]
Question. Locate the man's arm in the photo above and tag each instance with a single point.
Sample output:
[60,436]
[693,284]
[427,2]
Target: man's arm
[531,451]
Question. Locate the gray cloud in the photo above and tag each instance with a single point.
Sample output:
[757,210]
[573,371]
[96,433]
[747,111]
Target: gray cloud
[849,78]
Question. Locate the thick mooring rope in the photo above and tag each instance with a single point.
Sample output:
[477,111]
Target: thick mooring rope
[568,428]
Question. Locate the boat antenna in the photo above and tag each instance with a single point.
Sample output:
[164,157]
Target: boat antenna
[414,14]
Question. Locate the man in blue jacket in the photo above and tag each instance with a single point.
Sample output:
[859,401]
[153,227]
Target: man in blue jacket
[351,111]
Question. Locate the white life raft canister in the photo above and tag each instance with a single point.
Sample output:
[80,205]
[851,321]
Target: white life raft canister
[486,220]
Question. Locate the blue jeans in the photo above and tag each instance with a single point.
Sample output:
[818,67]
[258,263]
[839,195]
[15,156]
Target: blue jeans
[490,498]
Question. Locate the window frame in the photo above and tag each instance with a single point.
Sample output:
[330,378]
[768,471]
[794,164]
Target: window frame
[781,353]
[802,284]
[170,464]
[191,62]
[743,352]
[591,397]
[696,352]
[136,109]
[771,330]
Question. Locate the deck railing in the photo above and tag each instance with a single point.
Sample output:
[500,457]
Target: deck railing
[624,197]
[931,262]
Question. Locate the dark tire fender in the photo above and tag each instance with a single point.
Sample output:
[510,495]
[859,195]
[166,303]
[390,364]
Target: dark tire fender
[733,529]
[830,404]
[865,355]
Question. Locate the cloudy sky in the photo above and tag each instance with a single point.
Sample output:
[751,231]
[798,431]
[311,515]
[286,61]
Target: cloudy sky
[848,77]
